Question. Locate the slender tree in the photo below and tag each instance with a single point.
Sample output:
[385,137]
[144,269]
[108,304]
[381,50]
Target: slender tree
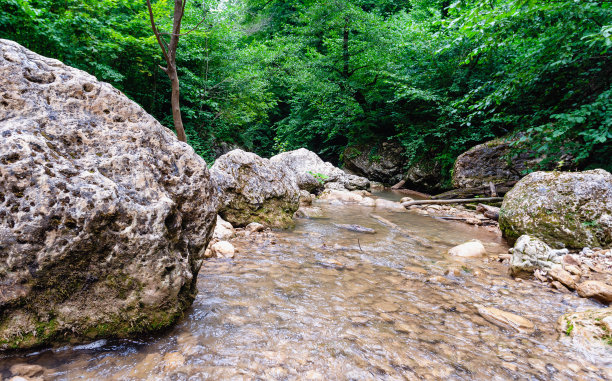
[169,52]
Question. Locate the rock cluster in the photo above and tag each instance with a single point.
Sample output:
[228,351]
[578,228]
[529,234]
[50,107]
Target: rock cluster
[104,215]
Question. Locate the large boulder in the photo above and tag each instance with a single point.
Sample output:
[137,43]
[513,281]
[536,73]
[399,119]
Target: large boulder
[564,209]
[254,189]
[312,172]
[382,162]
[104,215]
[490,162]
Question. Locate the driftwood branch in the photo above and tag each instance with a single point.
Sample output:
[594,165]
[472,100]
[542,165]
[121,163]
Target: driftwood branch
[454,201]
[404,232]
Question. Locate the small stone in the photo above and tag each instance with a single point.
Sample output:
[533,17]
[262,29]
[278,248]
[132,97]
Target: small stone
[573,269]
[406,199]
[255,227]
[359,320]
[415,269]
[468,249]
[223,249]
[27,370]
[557,273]
[596,290]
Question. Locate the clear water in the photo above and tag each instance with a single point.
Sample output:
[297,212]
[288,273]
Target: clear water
[320,302]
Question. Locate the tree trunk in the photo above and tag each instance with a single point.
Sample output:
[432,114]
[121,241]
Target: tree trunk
[176,108]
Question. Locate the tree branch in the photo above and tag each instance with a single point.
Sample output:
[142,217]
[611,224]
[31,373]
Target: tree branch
[156,32]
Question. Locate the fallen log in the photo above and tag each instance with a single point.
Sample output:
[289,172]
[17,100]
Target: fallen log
[452,201]
[491,212]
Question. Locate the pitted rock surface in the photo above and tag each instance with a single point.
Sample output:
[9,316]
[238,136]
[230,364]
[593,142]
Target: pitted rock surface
[254,189]
[564,209]
[104,215]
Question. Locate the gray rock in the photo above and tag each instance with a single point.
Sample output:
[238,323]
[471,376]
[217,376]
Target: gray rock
[104,215]
[530,253]
[564,209]
[254,189]
[490,162]
[379,162]
[424,177]
[312,172]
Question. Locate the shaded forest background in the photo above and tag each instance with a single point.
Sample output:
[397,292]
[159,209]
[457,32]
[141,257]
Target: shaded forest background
[272,75]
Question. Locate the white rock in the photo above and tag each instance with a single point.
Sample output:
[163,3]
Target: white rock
[224,230]
[223,249]
[469,249]
[255,227]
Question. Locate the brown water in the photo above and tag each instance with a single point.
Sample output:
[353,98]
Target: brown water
[320,302]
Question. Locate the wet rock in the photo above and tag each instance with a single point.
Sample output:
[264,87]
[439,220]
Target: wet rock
[103,209]
[223,230]
[559,286]
[596,290]
[557,273]
[505,319]
[387,204]
[27,370]
[255,190]
[356,228]
[222,249]
[530,253]
[589,332]
[255,227]
[488,162]
[563,209]
[368,201]
[468,249]
[379,162]
[310,212]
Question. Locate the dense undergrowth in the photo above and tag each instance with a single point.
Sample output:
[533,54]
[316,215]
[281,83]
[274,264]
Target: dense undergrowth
[271,75]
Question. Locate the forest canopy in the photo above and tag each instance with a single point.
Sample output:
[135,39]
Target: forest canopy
[270,75]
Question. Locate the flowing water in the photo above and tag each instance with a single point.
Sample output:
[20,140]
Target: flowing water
[322,302]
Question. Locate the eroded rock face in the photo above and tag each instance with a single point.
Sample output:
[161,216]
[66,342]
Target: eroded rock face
[530,254]
[254,189]
[104,215]
[489,162]
[383,162]
[564,209]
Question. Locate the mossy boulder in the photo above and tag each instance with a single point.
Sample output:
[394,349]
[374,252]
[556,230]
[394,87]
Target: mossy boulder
[564,209]
[254,189]
[104,215]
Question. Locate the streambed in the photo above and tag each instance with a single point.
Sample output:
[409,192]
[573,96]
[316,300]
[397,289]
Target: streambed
[321,302]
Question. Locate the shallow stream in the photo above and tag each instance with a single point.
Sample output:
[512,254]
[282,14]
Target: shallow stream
[322,302]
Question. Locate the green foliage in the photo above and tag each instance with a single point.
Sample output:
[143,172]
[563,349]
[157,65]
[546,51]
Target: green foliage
[319,177]
[270,75]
